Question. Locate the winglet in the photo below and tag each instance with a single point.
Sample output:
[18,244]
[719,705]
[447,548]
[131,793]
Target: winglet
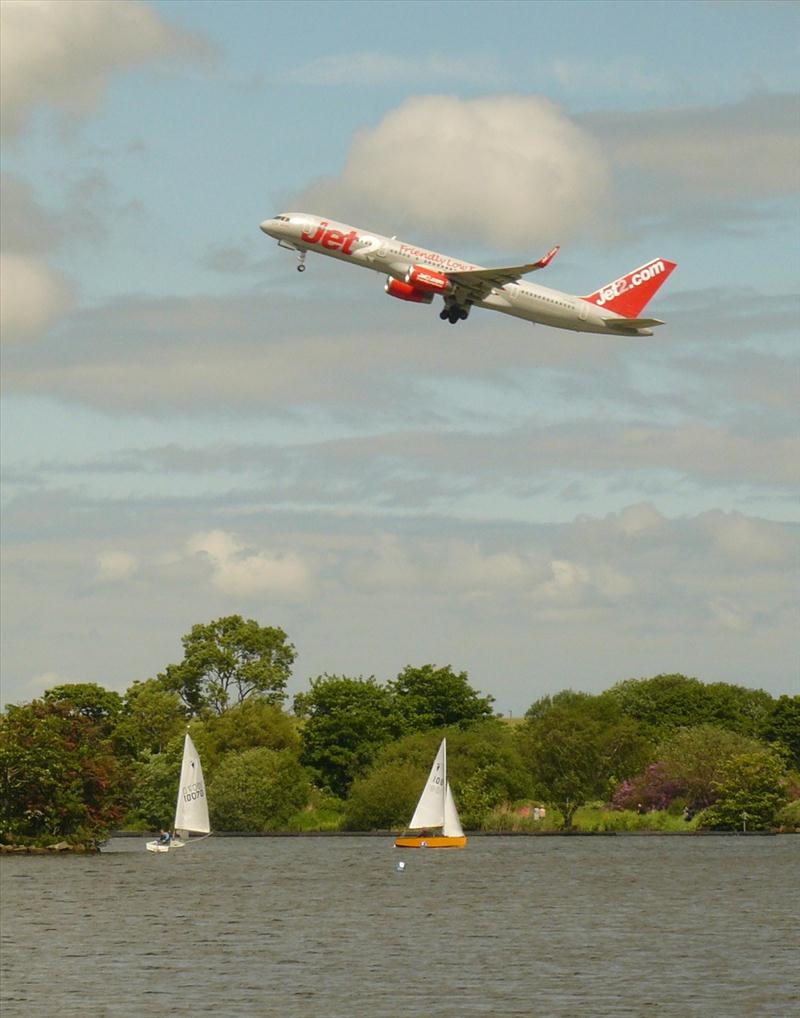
[544,262]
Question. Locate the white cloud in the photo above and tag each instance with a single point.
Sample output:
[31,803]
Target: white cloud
[640,519]
[61,52]
[621,74]
[582,603]
[748,540]
[729,615]
[511,169]
[463,567]
[32,297]
[373,68]
[37,685]
[240,572]
[567,584]
[113,566]
[702,167]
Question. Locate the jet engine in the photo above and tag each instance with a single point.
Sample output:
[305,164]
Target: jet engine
[405,291]
[428,280]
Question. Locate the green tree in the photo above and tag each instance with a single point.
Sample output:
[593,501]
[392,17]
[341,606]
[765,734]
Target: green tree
[257,790]
[694,759]
[740,709]
[484,769]
[782,727]
[569,699]
[429,697]
[346,721]
[251,724]
[154,786]
[151,717]
[578,747]
[385,798]
[749,792]
[103,706]
[231,658]
[665,703]
[58,774]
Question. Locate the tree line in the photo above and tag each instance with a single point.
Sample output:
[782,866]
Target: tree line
[353,753]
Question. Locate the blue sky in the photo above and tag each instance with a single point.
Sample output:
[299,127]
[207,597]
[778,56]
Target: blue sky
[192,429]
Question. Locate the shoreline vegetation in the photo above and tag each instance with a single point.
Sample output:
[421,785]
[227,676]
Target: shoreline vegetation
[668,754]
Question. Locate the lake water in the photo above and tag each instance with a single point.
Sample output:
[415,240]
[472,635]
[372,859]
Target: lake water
[328,928]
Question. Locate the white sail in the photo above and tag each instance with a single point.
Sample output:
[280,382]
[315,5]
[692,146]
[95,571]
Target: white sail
[430,811]
[452,825]
[191,812]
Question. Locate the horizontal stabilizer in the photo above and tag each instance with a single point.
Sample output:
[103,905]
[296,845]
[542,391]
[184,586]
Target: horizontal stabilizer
[631,324]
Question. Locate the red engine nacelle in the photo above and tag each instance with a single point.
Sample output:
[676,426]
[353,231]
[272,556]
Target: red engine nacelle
[428,280]
[405,291]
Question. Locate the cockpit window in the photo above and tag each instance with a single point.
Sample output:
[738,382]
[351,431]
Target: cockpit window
[283,219]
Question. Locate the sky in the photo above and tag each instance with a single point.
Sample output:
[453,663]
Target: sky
[191,429]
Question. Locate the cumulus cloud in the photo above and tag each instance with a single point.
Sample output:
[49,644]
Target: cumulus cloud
[61,52]
[28,227]
[729,615]
[703,169]
[242,572]
[114,566]
[32,294]
[582,603]
[743,149]
[456,565]
[33,297]
[748,540]
[508,169]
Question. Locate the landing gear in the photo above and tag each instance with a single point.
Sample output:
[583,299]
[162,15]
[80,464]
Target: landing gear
[454,313]
[301,259]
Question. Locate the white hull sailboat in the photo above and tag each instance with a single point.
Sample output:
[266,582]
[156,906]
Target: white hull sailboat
[436,812]
[191,810]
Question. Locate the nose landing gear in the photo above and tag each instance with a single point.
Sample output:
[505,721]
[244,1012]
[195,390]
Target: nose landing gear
[301,260]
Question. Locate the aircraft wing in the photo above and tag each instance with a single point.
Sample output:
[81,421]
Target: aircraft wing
[479,282]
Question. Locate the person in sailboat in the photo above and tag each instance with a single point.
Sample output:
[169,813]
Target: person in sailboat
[164,837]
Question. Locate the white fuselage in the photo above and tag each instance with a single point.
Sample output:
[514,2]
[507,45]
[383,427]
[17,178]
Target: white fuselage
[303,232]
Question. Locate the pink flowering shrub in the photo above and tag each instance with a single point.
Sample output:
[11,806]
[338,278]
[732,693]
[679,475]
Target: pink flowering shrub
[653,788]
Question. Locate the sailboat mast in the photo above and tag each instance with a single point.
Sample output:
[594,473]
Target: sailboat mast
[444,785]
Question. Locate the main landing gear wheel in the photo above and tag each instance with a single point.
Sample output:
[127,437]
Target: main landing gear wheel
[454,313]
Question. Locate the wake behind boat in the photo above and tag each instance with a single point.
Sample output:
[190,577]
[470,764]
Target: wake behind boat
[436,811]
[191,810]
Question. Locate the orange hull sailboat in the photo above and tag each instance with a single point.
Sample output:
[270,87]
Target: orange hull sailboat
[435,813]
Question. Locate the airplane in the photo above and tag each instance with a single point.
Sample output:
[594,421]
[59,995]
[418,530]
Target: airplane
[416,275]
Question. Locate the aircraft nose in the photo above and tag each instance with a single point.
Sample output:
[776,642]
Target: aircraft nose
[265,226]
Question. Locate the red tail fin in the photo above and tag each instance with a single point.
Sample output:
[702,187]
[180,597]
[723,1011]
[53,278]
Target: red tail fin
[630,294]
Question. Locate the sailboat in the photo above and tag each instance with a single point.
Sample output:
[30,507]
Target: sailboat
[191,810]
[436,809]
